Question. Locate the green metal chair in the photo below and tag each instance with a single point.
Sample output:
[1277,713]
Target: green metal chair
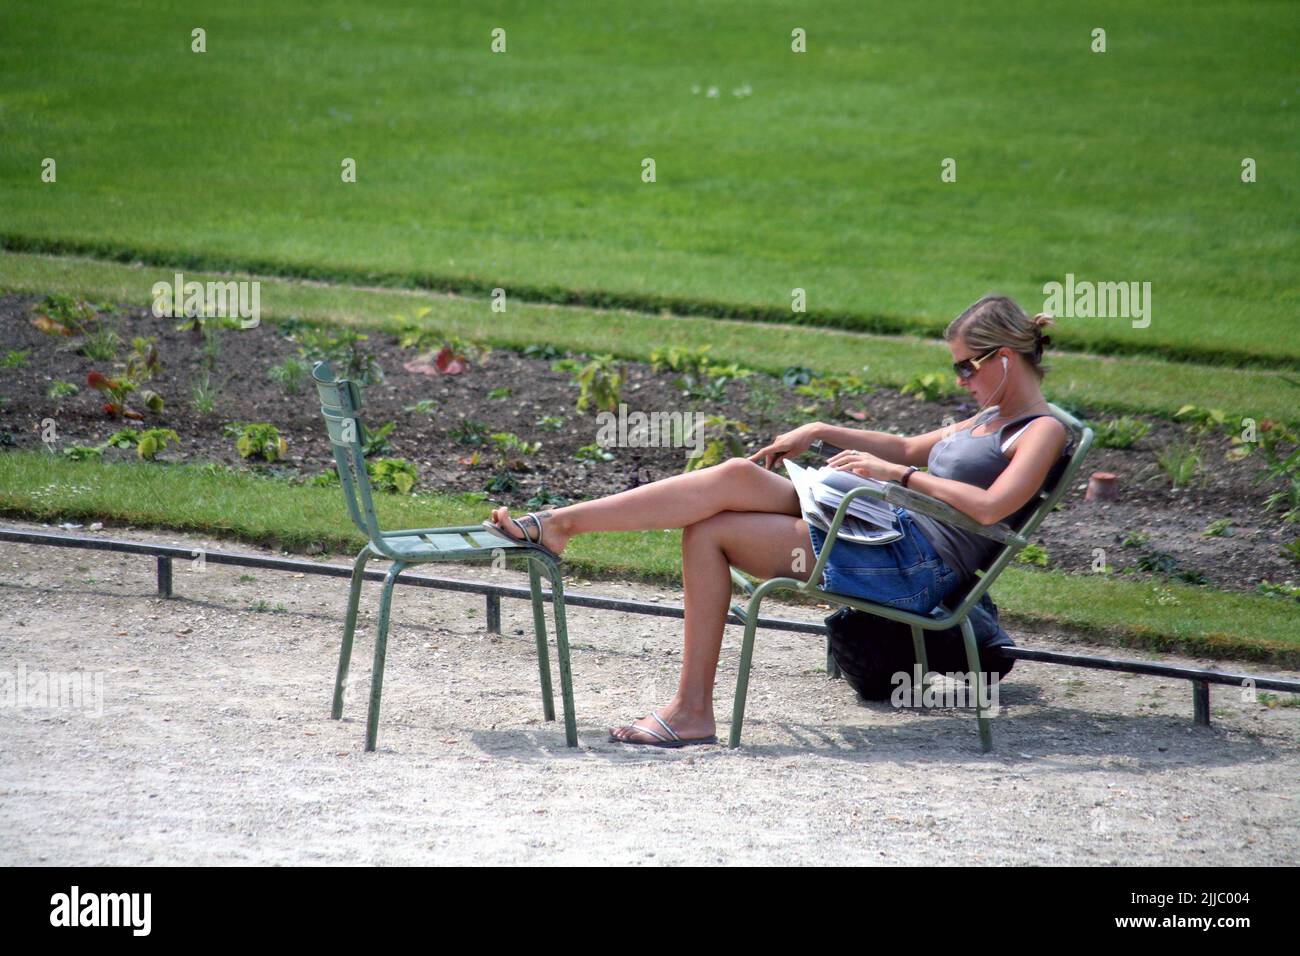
[895,494]
[340,402]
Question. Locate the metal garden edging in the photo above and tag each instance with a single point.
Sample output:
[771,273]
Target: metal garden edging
[165,554]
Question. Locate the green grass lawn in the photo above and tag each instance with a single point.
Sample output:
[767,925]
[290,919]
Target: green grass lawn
[242,506]
[522,169]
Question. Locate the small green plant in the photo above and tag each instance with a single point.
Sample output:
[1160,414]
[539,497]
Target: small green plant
[470,432]
[1287,590]
[1201,420]
[1222,528]
[599,383]
[1181,461]
[342,346]
[1034,554]
[544,499]
[326,479]
[701,377]
[719,438]
[393,474]
[1160,562]
[512,449]
[765,400]
[15,358]
[1135,539]
[833,389]
[1269,438]
[290,375]
[59,390]
[502,482]
[546,352]
[1280,449]
[1291,550]
[122,438]
[1119,432]
[101,344]
[83,452]
[1273,700]
[115,392]
[796,375]
[211,330]
[928,388]
[70,312]
[410,333]
[690,362]
[205,394]
[425,406]
[147,444]
[376,442]
[1288,498]
[257,440]
[594,452]
[550,423]
[153,441]
[502,391]
[142,362]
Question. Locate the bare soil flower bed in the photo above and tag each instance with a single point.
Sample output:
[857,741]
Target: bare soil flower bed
[1170,519]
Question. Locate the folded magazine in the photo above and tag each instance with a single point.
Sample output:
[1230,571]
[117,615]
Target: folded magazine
[868,520]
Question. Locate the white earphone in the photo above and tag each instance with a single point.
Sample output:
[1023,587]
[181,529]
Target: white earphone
[1005,372]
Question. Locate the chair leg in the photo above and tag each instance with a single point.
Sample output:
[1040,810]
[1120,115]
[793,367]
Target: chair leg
[832,666]
[349,629]
[918,645]
[742,670]
[973,662]
[381,647]
[539,632]
[562,651]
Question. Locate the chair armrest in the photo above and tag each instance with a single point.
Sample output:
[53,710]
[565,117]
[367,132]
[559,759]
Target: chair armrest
[924,504]
[900,497]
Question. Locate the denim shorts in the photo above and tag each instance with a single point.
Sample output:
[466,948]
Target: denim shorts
[907,574]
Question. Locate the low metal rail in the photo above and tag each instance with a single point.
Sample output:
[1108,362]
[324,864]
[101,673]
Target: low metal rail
[165,554]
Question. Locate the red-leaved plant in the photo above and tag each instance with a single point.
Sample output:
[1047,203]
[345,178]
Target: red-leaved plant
[115,390]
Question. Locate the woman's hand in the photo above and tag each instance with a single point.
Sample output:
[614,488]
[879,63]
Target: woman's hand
[786,446]
[867,465]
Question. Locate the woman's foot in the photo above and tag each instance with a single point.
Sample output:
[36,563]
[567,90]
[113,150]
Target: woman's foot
[552,537]
[683,727]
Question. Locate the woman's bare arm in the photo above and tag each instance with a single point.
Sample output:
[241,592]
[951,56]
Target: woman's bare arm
[1034,453]
[881,444]
[900,449]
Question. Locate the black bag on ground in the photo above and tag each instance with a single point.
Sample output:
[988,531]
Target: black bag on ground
[870,650]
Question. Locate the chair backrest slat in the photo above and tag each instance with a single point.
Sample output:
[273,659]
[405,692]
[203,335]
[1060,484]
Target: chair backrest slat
[340,404]
[1047,498]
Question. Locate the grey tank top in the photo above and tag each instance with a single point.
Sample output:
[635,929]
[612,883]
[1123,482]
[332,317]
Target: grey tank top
[977,460]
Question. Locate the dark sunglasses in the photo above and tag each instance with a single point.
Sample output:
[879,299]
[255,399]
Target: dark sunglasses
[968,367]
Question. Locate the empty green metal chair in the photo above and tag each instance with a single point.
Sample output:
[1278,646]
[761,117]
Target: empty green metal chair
[340,402]
[895,494]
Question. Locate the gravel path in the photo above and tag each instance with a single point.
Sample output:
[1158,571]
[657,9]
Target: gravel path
[213,743]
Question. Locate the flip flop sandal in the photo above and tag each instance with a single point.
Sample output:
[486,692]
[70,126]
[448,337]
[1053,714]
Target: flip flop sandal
[672,740]
[527,540]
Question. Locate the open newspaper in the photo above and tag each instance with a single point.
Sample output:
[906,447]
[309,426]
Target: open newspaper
[867,521]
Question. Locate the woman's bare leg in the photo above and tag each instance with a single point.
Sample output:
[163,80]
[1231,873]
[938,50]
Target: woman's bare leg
[737,484]
[764,545]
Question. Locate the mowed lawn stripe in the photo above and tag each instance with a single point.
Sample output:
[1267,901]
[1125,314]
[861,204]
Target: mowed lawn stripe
[775,170]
